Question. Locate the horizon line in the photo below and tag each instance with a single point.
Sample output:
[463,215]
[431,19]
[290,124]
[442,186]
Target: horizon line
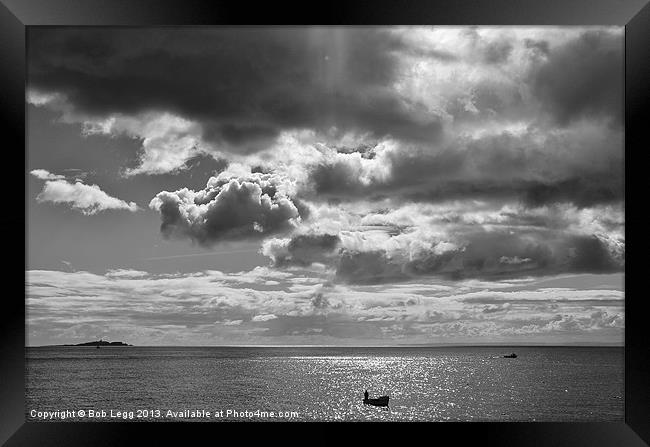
[414,345]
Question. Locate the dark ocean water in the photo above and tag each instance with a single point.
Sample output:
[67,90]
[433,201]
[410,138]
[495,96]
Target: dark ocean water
[424,384]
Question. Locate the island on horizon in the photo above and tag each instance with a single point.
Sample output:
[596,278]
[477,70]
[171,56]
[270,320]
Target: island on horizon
[99,343]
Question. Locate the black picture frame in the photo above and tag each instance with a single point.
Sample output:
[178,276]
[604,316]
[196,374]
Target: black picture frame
[17,15]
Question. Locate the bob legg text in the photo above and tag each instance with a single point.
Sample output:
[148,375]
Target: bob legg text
[111,414]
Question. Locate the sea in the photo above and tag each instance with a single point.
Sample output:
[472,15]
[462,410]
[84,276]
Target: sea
[218,384]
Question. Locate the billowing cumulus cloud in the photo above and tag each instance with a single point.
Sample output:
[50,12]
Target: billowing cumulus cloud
[88,199]
[229,208]
[453,242]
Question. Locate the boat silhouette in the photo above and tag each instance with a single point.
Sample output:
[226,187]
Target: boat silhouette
[510,356]
[378,402]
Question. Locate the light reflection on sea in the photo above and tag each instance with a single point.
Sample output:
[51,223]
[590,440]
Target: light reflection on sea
[424,384]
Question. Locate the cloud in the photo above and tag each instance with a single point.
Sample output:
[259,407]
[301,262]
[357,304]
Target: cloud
[232,322]
[235,92]
[365,158]
[456,240]
[320,301]
[302,249]
[481,255]
[126,273]
[42,174]
[236,88]
[513,260]
[88,199]
[493,308]
[169,142]
[364,267]
[531,165]
[582,78]
[214,307]
[262,318]
[230,208]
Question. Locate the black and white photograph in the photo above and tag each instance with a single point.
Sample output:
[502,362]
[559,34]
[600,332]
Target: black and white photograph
[325,223]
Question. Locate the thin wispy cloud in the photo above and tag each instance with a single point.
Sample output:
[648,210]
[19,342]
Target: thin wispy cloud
[194,255]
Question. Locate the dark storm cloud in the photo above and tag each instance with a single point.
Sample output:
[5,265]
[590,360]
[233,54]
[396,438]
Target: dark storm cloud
[582,191]
[228,209]
[589,254]
[302,249]
[202,165]
[243,85]
[579,191]
[336,179]
[583,77]
[502,166]
[247,138]
[486,255]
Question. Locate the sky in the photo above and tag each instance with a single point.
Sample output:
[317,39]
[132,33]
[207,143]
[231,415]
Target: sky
[325,185]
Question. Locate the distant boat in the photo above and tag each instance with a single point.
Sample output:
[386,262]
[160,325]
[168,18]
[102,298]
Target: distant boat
[510,356]
[378,402]
[98,346]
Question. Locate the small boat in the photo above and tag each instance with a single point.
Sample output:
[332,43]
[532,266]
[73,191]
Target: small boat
[510,356]
[97,346]
[378,402]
